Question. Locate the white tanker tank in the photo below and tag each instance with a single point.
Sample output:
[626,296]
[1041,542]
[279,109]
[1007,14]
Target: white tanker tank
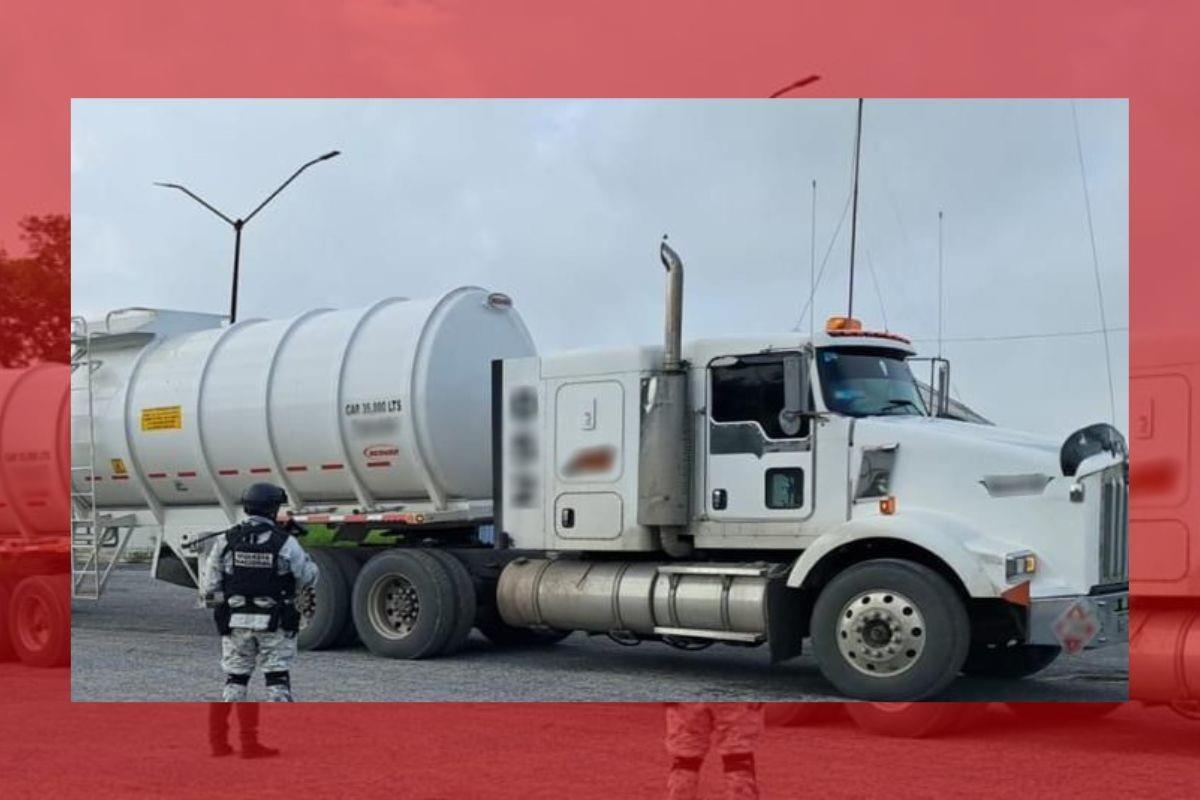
[34,446]
[363,409]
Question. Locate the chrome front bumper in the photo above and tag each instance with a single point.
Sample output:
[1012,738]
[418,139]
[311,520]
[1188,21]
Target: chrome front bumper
[1079,623]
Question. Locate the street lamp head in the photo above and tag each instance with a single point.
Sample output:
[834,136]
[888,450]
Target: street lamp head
[330,155]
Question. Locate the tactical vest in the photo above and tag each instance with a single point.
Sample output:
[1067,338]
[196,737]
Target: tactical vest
[254,574]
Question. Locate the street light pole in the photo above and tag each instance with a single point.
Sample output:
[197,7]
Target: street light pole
[239,223]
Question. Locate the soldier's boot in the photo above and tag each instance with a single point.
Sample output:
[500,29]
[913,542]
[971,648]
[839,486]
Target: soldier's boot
[256,750]
[248,733]
[683,781]
[218,729]
[741,783]
[279,687]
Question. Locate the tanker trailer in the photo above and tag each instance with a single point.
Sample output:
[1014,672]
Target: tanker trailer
[34,502]
[765,490]
[376,422]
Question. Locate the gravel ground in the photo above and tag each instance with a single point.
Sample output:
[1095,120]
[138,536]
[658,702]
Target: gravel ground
[146,640]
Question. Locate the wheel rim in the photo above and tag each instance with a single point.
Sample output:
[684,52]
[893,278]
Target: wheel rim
[34,624]
[881,633]
[306,604]
[393,606]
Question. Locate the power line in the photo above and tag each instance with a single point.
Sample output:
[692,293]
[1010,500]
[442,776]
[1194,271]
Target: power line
[824,262]
[1087,204]
[1023,336]
[875,280]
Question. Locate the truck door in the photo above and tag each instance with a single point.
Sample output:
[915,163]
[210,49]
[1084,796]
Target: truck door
[756,470]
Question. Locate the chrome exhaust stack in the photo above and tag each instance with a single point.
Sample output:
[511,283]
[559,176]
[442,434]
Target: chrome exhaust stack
[665,452]
[673,342]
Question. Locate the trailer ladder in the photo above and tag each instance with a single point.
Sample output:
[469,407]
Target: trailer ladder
[97,540]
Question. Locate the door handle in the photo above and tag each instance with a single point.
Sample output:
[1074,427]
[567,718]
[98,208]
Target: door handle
[567,517]
[720,498]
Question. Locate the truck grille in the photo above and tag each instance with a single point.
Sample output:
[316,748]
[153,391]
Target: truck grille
[1114,525]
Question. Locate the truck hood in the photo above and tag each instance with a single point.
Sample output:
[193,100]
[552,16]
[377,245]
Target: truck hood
[980,449]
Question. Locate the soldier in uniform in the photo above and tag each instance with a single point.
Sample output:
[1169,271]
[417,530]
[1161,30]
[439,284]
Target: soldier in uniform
[732,729]
[251,577]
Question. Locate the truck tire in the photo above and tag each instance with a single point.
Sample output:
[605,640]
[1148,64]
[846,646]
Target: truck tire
[349,565]
[889,630]
[797,715]
[1061,713]
[404,604]
[7,653]
[499,632]
[39,621]
[324,608]
[1020,661]
[464,612]
[908,720]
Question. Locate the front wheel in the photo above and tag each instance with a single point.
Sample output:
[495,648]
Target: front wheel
[909,720]
[889,629]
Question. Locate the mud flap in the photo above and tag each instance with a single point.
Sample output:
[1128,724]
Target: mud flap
[170,568]
[786,620]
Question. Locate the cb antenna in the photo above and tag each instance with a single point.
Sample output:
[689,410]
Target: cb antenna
[854,207]
[812,269]
[940,293]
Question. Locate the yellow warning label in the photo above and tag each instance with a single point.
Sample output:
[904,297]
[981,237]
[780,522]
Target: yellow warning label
[118,466]
[163,418]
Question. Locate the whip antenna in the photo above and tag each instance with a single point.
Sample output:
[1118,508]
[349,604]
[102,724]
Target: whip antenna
[854,207]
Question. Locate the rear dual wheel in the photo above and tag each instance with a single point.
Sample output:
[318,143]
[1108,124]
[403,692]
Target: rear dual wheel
[39,620]
[325,619]
[413,604]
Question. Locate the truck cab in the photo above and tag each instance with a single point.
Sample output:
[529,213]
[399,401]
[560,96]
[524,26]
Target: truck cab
[820,482]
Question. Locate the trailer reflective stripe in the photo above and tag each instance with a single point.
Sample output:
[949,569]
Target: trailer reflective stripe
[187,474]
[296,468]
[259,470]
[375,464]
[227,472]
[328,467]
[156,475]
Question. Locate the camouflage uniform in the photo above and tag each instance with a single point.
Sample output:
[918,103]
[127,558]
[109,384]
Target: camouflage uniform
[732,728]
[273,651]
[241,649]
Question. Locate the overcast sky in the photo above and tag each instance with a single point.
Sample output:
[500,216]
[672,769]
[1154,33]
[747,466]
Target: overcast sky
[562,203]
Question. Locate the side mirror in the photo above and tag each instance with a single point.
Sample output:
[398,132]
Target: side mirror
[795,394]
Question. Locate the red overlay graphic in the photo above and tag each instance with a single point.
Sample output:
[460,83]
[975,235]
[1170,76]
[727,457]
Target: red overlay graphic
[53,51]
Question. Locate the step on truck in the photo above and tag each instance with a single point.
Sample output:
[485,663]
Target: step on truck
[776,490]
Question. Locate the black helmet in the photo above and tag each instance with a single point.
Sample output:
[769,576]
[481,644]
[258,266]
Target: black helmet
[263,500]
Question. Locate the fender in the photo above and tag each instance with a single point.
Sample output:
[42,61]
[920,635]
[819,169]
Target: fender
[977,560]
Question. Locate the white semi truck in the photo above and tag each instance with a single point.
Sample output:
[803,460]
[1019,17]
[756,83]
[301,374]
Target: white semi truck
[768,490]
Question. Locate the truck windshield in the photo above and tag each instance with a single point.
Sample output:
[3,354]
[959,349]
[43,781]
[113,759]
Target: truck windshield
[864,382]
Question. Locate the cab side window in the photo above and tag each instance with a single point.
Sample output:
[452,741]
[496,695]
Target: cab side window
[751,390]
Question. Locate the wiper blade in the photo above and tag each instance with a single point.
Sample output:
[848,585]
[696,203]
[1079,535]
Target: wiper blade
[901,402]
